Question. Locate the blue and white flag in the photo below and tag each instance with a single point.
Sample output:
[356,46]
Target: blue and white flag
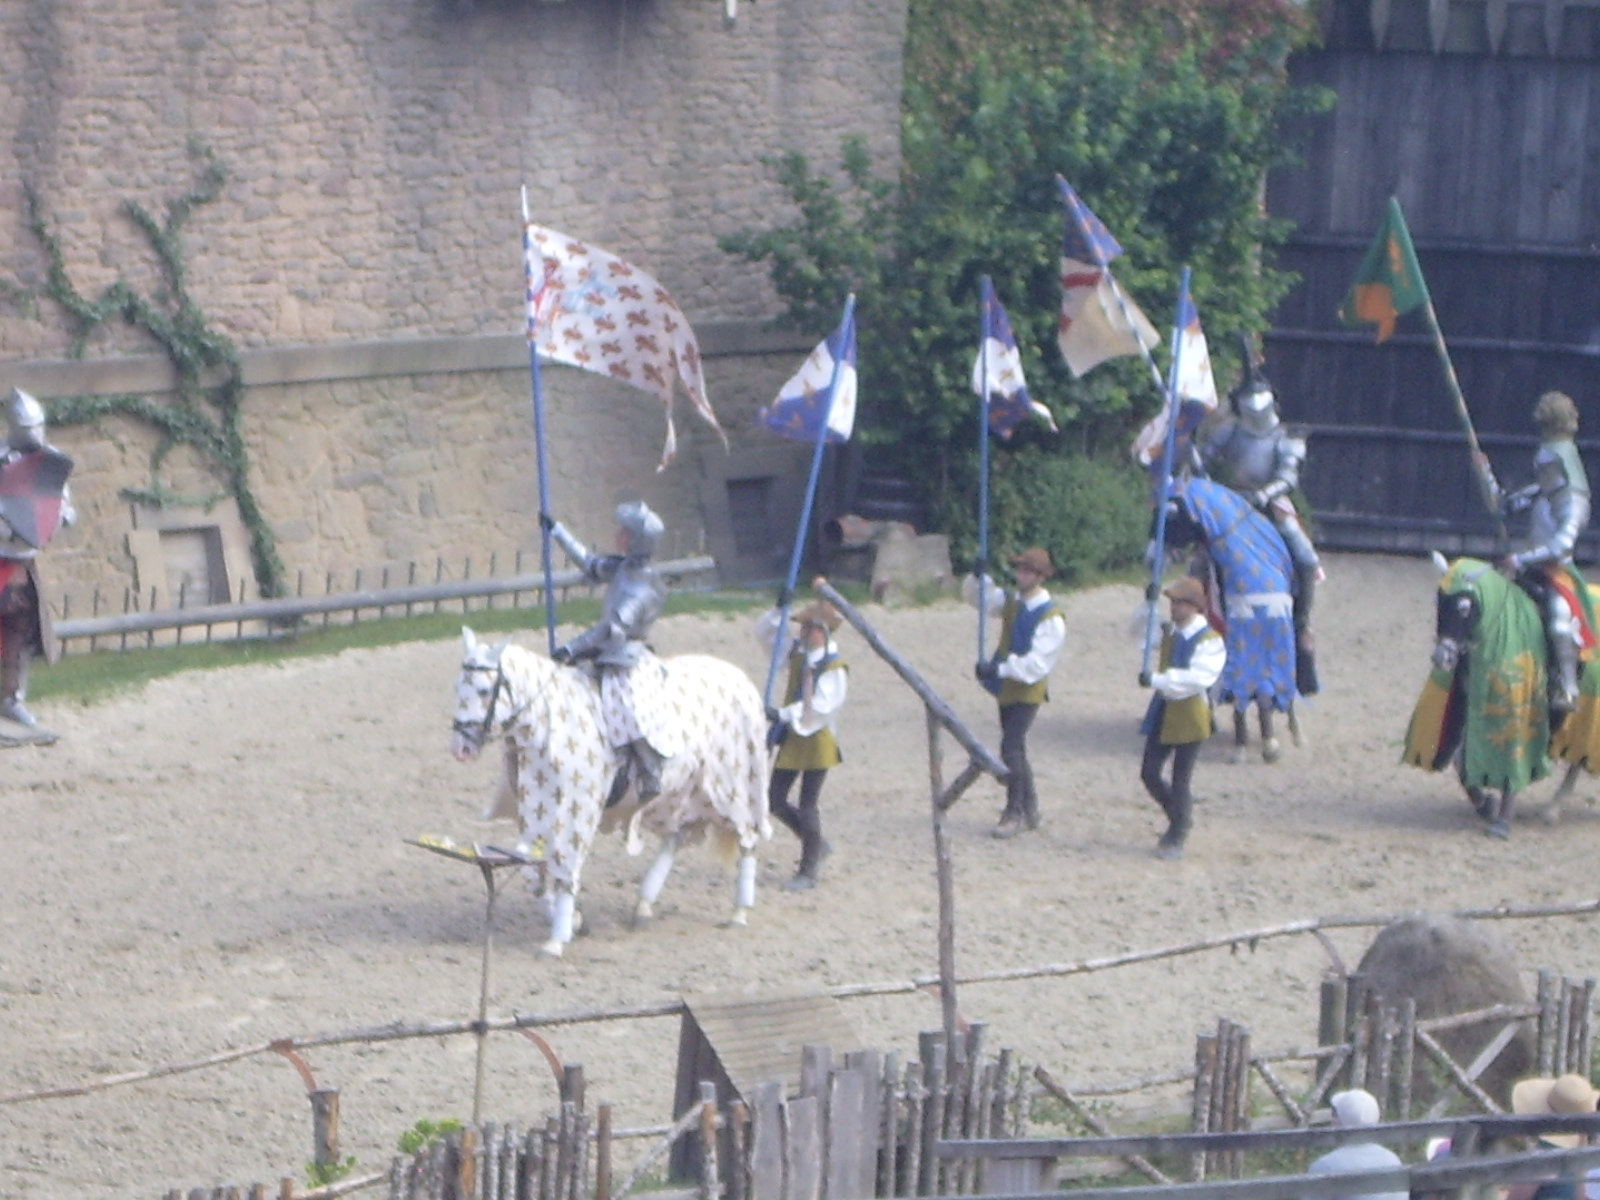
[997,372]
[803,403]
[1197,386]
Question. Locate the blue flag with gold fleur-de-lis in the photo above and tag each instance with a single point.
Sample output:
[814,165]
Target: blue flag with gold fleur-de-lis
[817,392]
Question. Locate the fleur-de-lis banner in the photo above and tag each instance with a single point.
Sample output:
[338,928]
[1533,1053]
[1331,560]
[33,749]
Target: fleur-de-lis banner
[590,309]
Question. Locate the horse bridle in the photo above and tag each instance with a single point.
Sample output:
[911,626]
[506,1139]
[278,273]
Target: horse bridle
[479,732]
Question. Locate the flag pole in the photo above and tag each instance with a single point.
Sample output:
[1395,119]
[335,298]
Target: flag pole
[1461,411]
[982,565]
[538,431]
[1122,306]
[786,596]
[1158,553]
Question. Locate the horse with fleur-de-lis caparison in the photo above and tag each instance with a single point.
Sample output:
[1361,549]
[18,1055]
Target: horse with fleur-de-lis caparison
[560,767]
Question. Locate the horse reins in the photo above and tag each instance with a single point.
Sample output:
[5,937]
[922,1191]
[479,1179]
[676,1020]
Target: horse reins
[477,732]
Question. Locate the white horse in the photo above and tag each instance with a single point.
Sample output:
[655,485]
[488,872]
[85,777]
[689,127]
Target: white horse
[559,767]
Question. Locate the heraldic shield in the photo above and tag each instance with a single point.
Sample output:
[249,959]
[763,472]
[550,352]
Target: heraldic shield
[31,492]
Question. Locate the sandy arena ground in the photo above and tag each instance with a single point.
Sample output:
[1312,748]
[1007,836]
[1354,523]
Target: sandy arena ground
[218,861]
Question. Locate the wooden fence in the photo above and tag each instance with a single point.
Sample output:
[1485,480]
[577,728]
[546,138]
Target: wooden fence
[154,619]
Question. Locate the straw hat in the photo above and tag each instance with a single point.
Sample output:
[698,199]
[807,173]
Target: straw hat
[1188,589]
[819,613]
[1568,1095]
[1035,559]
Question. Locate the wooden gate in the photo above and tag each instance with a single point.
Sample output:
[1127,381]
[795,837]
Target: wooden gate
[1479,118]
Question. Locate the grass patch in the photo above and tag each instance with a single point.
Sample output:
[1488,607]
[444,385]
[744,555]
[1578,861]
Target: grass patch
[94,676]
[88,677]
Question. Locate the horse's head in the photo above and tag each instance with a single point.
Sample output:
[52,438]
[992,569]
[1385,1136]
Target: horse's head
[1180,527]
[482,702]
[1459,609]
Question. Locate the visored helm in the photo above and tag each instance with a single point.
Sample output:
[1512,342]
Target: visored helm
[24,421]
[641,527]
[1257,406]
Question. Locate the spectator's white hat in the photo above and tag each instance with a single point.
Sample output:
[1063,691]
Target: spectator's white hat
[1355,1107]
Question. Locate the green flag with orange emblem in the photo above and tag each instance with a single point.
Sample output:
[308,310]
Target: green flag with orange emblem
[1389,281]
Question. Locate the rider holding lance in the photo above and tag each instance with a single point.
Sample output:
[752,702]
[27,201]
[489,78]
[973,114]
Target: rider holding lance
[631,677]
[1557,504]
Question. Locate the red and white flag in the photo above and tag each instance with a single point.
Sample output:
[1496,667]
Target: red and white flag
[590,309]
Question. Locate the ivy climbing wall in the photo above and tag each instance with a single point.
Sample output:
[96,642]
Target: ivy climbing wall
[374,151]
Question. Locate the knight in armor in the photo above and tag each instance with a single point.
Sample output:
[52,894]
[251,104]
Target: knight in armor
[1257,455]
[629,673]
[1557,507]
[25,628]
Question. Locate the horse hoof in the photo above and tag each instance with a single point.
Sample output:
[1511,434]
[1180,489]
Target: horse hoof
[1239,755]
[1498,829]
[1271,750]
[1552,815]
[643,913]
[1298,737]
[551,949]
[739,920]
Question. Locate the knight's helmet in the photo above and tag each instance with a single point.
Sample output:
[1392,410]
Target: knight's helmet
[24,421]
[641,527]
[1253,399]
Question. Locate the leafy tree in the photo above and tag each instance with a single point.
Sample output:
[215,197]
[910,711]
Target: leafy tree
[1166,125]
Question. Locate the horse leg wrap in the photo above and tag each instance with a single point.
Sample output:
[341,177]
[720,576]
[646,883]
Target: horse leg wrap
[562,910]
[656,877]
[744,893]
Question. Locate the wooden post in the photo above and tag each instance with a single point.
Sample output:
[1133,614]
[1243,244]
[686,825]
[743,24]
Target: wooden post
[890,1152]
[1355,1067]
[1546,1034]
[932,1049]
[464,1176]
[1380,1070]
[491,1137]
[549,1152]
[602,1153]
[910,1183]
[1331,1010]
[1560,1064]
[1205,1072]
[738,1170]
[1406,1063]
[945,875]
[324,1126]
[1585,1024]
[579,1186]
[572,1083]
[710,1185]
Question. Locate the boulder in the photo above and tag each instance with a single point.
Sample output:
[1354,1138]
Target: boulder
[1448,965]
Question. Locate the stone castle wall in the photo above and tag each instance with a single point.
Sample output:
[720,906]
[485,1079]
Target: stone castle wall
[365,254]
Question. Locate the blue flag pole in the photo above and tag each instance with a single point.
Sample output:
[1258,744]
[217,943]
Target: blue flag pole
[982,565]
[785,597]
[1158,552]
[540,452]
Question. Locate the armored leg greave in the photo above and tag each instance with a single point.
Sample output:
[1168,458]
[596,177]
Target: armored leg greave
[14,681]
[1305,578]
[647,765]
[1561,631]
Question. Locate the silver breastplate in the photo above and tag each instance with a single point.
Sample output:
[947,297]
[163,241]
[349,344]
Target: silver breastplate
[1247,461]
